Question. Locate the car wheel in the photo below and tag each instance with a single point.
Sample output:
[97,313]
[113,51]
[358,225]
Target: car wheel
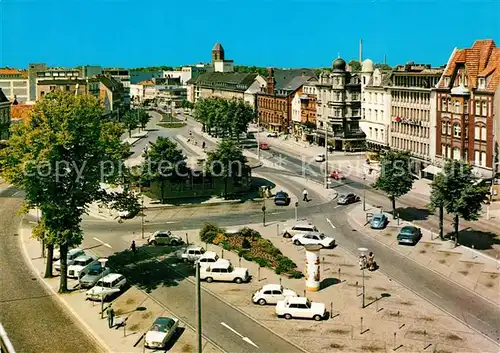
[185,260]
[288,316]
[209,279]
[296,242]
[153,242]
[286,235]
[317,317]
[238,280]
[262,301]
[173,242]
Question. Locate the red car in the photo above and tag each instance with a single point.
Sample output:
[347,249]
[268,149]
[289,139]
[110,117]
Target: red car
[337,175]
[263,146]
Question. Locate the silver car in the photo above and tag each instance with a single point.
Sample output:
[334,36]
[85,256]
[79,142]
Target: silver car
[92,274]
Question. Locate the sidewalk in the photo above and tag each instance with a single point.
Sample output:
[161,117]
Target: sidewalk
[119,339]
[465,266]
[135,137]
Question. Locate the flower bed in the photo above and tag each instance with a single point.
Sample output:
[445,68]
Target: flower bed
[250,245]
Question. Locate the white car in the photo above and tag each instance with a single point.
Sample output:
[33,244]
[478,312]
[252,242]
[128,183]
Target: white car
[300,307]
[313,238]
[164,237]
[272,294]
[162,330]
[73,254]
[319,157]
[191,253]
[208,258]
[298,228]
[81,263]
[222,270]
[108,286]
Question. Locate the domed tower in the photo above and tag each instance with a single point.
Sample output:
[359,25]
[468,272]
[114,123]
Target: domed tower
[217,52]
[338,75]
[367,69]
[339,65]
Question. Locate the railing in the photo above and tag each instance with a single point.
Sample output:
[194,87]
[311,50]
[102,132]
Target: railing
[5,345]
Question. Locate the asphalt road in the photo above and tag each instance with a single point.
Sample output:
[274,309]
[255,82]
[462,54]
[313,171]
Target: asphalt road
[33,318]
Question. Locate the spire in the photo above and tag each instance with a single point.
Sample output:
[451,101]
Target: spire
[360,50]
[338,56]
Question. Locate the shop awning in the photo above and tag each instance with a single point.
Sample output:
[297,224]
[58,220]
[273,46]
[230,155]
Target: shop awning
[432,169]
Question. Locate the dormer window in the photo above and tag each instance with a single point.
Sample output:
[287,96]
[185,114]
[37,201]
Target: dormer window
[482,83]
[447,81]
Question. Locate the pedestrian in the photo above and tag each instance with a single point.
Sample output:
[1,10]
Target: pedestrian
[132,247]
[203,145]
[111,316]
[371,262]
[304,194]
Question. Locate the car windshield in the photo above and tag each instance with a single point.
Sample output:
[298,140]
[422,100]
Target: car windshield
[95,271]
[321,236]
[80,262]
[377,218]
[407,230]
[104,284]
[308,303]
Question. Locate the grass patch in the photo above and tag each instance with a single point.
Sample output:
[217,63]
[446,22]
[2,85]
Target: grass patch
[371,348]
[489,285]
[187,348]
[174,125]
[422,251]
[453,337]
[465,273]
[427,245]
[130,301]
[335,346]
[133,327]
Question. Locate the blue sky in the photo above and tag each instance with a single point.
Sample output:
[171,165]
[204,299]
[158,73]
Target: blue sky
[280,33]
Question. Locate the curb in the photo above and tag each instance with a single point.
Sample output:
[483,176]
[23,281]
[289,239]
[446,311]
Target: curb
[90,332]
[422,297]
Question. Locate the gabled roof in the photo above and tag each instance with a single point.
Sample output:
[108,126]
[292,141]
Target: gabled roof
[292,79]
[3,98]
[110,83]
[230,81]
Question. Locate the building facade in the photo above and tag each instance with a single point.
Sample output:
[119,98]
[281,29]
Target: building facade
[274,101]
[412,113]
[468,107]
[123,76]
[15,85]
[339,108]
[5,119]
[304,112]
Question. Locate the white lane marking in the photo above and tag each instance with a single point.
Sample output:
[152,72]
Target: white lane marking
[437,295]
[336,206]
[246,339]
[103,243]
[169,222]
[330,222]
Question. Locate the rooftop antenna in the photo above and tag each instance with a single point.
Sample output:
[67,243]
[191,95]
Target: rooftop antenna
[385,59]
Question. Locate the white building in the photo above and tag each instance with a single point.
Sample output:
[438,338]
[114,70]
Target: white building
[14,84]
[375,102]
[296,109]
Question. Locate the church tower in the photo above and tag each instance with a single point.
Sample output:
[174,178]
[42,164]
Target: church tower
[219,62]
[217,52]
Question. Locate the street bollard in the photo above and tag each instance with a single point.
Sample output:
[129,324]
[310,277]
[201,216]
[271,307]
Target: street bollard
[239,261]
[280,280]
[425,339]
[339,276]
[206,246]
[258,274]
[361,326]
[394,343]
[277,229]
[356,288]
[304,292]
[187,239]
[222,254]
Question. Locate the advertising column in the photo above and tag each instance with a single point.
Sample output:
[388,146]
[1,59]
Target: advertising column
[312,267]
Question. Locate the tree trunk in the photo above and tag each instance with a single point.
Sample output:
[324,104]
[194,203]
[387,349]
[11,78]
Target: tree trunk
[455,225]
[129,132]
[63,282]
[441,221]
[162,187]
[225,187]
[393,200]
[48,264]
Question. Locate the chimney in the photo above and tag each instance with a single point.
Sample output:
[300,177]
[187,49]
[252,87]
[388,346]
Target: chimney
[270,81]
[360,50]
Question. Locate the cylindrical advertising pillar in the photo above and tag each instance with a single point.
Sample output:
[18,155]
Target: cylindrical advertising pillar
[312,267]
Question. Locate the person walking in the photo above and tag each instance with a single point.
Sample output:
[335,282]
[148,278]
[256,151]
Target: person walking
[133,248]
[371,261]
[111,316]
[305,196]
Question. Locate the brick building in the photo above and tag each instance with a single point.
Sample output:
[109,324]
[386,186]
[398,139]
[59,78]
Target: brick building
[468,107]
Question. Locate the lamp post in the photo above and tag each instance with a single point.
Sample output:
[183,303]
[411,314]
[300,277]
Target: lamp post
[296,210]
[326,156]
[142,214]
[198,308]
[102,261]
[362,252]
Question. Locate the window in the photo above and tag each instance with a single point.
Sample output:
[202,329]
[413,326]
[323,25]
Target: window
[482,83]
[382,134]
[483,133]
[443,104]
[484,110]
[477,157]
[457,107]
[478,107]
[337,95]
[364,80]
[477,132]
[456,153]
[443,128]
[371,132]
[448,129]
[457,130]
[483,159]
[443,150]
[376,134]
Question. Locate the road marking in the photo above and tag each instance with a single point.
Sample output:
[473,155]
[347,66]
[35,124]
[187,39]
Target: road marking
[103,243]
[330,222]
[33,222]
[169,222]
[336,206]
[246,339]
[437,295]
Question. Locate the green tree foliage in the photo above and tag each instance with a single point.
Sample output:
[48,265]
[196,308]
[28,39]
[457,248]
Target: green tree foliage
[251,69]
[209,231]
[382,66]
[355,65]
[131,121]
[185,104]
[460,192]
[226,161]
[153,68]
[143,118]
[395,176]
[437,201]
[59,157]
[222,117]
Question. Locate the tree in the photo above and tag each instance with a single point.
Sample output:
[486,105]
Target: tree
[163,160]
[395,178]
[437,201]
[355,65]
[131,121]
[59,157]
[460,192]
[382,66]
[226,161]
[143,118]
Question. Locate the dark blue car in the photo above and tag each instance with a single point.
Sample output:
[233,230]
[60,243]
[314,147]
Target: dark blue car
[379,221]
[281,199]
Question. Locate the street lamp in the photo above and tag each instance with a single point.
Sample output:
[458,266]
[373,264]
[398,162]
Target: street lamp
[326,156]
[198,306]
[296,210]
[102,261]
[362,254]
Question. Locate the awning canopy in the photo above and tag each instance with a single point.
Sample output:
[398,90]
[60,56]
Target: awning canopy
[432,169]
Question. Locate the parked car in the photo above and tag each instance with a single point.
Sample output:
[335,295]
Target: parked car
[347,199]
[263,146]
[73,254]
[92,274]
[337,175]
[299,227]
[313,238]
[320,157]
[191,253]
[281,199]
[107,287]
[379,221]
[272,134]
[209,257]
[80,264]
[161,331]
[164,237]
[224,271]
[409,235]
[271,294]
[300,307]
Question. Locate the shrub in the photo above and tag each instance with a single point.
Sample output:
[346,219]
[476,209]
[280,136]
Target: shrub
[209,231]
[285,265]
[247,256]
[296,274]
[226,246]
[246,244]
[219,238]
[262,262]
[249,232]
[242,253]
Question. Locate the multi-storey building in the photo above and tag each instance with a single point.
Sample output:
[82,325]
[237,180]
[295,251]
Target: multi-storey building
[304,112]
[4,116]
[375,118]
[468,107]
[339,108]
[14,84]
[412,104]
[122,75]
[274,101]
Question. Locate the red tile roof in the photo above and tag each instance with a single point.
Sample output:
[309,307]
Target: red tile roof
[21,111]
[482,60]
